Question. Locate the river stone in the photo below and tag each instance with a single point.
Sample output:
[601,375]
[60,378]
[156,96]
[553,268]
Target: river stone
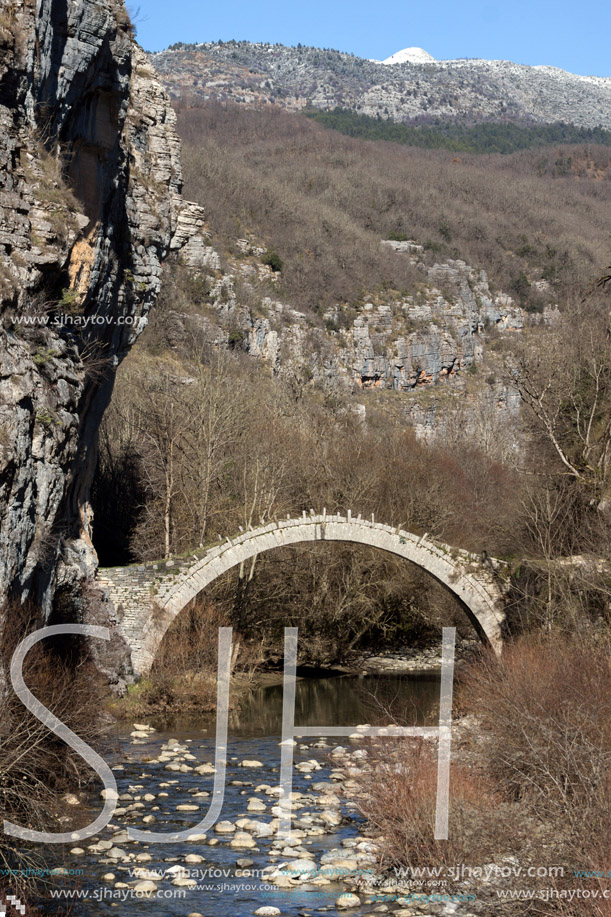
[77,851]
[242,839]
[300,868]
[115,853]
[333,819]
[261,829]
[110,794]
[145,888]
[347,900]
[181,882]
[205,769]
[244,862]
[283,881]
[224,827]
[187,808]
[250,762]
[256,805]
[339,868]
[267,911]
[194,838]
[194,858]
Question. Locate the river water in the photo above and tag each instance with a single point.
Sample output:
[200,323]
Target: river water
[254,734]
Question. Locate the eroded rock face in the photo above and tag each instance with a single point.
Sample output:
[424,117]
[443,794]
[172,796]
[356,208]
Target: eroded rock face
[89,199]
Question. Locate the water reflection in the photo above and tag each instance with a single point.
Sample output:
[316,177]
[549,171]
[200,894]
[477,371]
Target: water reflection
[411,700]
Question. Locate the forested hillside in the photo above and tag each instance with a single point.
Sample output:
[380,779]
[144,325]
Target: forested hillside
[487,137]
[323,201]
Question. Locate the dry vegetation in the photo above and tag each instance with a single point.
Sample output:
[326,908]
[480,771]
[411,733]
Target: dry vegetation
[323,201]
[400,806]
[36,768]
[530,779]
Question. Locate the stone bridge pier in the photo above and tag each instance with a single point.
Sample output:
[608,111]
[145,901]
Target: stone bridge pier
[149,596]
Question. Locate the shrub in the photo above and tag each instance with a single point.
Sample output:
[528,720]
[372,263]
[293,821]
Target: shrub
[400,806]
[36,768]
[272,259]
[545,712]
[235,338]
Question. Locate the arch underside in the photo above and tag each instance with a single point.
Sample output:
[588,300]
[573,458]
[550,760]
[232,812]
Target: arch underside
[456,570]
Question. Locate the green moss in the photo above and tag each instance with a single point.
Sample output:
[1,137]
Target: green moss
[40,357]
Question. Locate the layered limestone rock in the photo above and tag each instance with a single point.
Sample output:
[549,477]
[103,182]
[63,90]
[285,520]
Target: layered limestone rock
[89,201]
[402,343]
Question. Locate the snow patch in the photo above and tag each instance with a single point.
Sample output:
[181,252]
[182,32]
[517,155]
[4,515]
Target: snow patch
[410,56]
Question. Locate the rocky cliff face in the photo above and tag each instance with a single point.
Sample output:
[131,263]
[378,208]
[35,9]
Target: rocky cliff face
[89,200]
[403,343]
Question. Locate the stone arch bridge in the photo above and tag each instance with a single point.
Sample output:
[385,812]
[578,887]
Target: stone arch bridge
[149,596]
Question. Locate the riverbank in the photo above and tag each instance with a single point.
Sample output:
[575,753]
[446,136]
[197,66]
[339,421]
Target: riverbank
[408,659]
[164,698]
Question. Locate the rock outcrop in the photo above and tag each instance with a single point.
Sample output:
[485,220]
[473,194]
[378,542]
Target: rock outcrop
[89,200]
[401,343]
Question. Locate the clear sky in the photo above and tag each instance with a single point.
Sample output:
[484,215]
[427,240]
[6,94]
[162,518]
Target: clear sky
[575,36]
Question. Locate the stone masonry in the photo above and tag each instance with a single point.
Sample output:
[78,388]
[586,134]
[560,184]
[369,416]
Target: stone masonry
[149,596]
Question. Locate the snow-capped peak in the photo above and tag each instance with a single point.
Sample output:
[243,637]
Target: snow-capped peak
[410,56]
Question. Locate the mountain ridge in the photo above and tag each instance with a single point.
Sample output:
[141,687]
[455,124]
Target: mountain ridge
[466,90]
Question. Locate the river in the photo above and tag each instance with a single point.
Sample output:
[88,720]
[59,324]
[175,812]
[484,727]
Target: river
[254,735]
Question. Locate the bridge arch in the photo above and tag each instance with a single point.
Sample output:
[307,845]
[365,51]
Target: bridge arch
[149,597]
